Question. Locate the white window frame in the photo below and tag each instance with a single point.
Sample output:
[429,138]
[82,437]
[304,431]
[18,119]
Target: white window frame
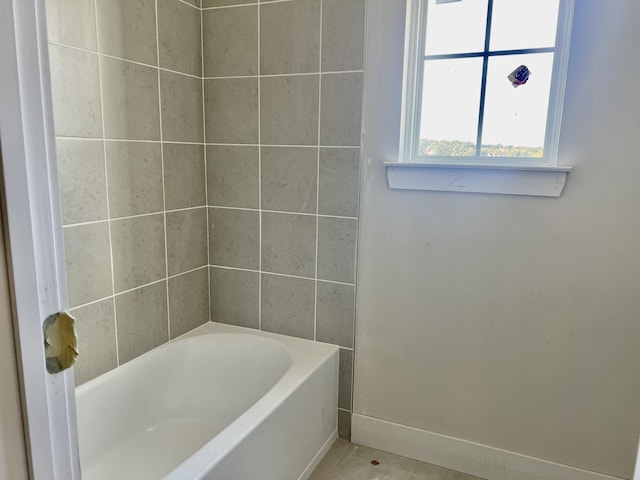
[508,175]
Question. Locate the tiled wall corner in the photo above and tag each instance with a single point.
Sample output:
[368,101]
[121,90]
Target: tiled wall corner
[128,107]
[283,100]
[242,155]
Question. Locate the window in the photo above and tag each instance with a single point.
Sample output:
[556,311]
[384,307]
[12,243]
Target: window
[484,83]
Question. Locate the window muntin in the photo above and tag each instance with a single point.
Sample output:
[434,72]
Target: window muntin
[459,104]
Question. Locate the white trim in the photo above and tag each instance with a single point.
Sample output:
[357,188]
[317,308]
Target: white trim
[34,235]
[461,455]
[411,84]
[532,181]
[559,80]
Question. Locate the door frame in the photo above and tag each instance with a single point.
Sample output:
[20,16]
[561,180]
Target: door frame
[33,236]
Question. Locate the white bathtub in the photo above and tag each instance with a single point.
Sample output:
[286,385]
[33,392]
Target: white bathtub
[221,402]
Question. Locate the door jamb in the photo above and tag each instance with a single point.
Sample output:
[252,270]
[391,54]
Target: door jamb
[33,230]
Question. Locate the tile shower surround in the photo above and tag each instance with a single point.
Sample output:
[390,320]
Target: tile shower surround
[209,169]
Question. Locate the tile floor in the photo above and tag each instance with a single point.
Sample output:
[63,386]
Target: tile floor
[347,461]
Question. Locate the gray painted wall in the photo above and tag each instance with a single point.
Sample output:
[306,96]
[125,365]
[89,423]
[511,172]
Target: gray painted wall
[510,321]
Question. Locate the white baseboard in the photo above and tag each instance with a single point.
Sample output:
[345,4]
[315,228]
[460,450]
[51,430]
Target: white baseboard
[319,456]
[461,455]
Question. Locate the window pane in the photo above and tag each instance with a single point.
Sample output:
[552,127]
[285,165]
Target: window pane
[515,119]
[457,27]
[517,24]
[450,106]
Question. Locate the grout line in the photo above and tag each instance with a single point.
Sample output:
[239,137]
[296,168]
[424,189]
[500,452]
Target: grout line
[187,3]
[282,212]
[336,282]
[139,287]
[91,222]
[164,184]
[206,167]
[175,275]
[92,302]
[141,215]
[106,181]
[185,209]
[259,178]
[315,298]
[245,4]
[126,140]
[281,146]
[113,57]
[262,272]
[299,74]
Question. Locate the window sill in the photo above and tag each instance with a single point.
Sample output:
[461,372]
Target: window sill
[539,181]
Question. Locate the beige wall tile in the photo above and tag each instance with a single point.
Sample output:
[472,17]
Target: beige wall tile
[340,123]
[184,175]
[72,22]
[181,107]
[134,171]
[289,244]
[82,180]
[289,110]
[337,249]
[339,181]
[86,250]
[287,305]
[130,93]
[235,297]
[138,251]
[234,238]
[290,37]
[96,326]
[289,179]
[232,176]
[343,23]
[231,107]
[127,29]
[76,98]
[188,301]
[186,240]
[335,313]
[179,35]
[142,320]
[230,39]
